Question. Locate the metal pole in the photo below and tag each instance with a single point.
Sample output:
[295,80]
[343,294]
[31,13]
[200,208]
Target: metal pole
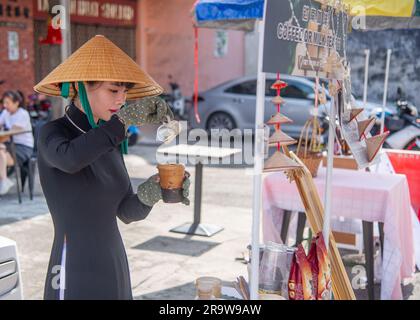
[197,193]
[66,35]
[365,89]
[328,183]
[388,62]
[258,166]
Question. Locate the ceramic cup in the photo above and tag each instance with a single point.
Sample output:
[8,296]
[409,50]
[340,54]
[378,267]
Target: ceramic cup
[171,180]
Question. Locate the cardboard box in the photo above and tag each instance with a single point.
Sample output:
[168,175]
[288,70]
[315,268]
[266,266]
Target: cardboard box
[343,162]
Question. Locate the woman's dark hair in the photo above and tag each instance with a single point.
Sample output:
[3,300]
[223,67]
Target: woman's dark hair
[15,96]
[127,85]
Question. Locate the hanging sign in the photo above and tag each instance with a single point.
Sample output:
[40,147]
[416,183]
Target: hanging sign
[301,37]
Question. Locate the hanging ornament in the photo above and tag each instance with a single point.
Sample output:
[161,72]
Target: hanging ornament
[278,85]
[282,138]
[334,66]
[365,126]
[279,161]
[278,118]
[277,100]
[54,36]
[333,89]
[354,113]
[374,144]
[323,95]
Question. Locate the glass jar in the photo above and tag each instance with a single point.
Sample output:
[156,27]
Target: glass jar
[275,269]
[205,290]
[216,284]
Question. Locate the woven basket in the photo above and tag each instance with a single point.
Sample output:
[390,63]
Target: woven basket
[312,161]
[308,149]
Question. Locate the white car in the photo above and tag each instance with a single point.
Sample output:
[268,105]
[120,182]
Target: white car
[10,277]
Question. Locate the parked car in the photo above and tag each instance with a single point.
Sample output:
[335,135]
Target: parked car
[232,104]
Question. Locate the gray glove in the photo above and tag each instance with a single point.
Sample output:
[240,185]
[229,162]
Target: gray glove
[150,110]
[150,192]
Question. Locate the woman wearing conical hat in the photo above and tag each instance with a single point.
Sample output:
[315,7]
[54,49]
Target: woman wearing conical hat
[82,171]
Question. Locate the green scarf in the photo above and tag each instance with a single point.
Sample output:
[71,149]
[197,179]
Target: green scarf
[65,92]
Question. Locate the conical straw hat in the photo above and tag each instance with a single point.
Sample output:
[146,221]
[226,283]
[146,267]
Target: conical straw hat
[365,126]
[100,60]
[374,144]
[278,118]
[279,162]
[282,138]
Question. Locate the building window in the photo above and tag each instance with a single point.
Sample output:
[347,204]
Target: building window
[221,44]
[13,44]
[247,87]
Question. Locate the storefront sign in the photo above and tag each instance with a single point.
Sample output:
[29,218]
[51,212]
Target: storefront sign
[10,24]
[105,12]
[301,35]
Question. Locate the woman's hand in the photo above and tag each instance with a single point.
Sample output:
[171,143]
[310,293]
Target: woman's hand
[150,192]
[150,110]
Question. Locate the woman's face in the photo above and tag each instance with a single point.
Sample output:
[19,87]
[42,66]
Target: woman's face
[105,99]
[10,105]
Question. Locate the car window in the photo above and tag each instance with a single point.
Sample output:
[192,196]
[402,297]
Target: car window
[297,90]
[294,89]
[247,87]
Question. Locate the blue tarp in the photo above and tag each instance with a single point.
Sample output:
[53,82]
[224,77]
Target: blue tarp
[232,14]
[214,10]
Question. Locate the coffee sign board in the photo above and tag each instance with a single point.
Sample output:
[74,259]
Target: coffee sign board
[300,35]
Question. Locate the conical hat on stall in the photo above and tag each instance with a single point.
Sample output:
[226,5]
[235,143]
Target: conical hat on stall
[282,138]
[374,144]
[278,118]
[279,162]
[278,85]
[277,100]
[365,126]
[100,60]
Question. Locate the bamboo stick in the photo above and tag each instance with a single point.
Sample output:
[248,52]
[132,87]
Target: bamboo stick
[341,285]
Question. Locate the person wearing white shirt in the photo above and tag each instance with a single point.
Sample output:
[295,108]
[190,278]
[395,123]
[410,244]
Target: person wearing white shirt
[14,116]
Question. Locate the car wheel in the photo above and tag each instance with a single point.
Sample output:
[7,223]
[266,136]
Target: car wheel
[221,120]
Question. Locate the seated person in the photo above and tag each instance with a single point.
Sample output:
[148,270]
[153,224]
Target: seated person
[14,117]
